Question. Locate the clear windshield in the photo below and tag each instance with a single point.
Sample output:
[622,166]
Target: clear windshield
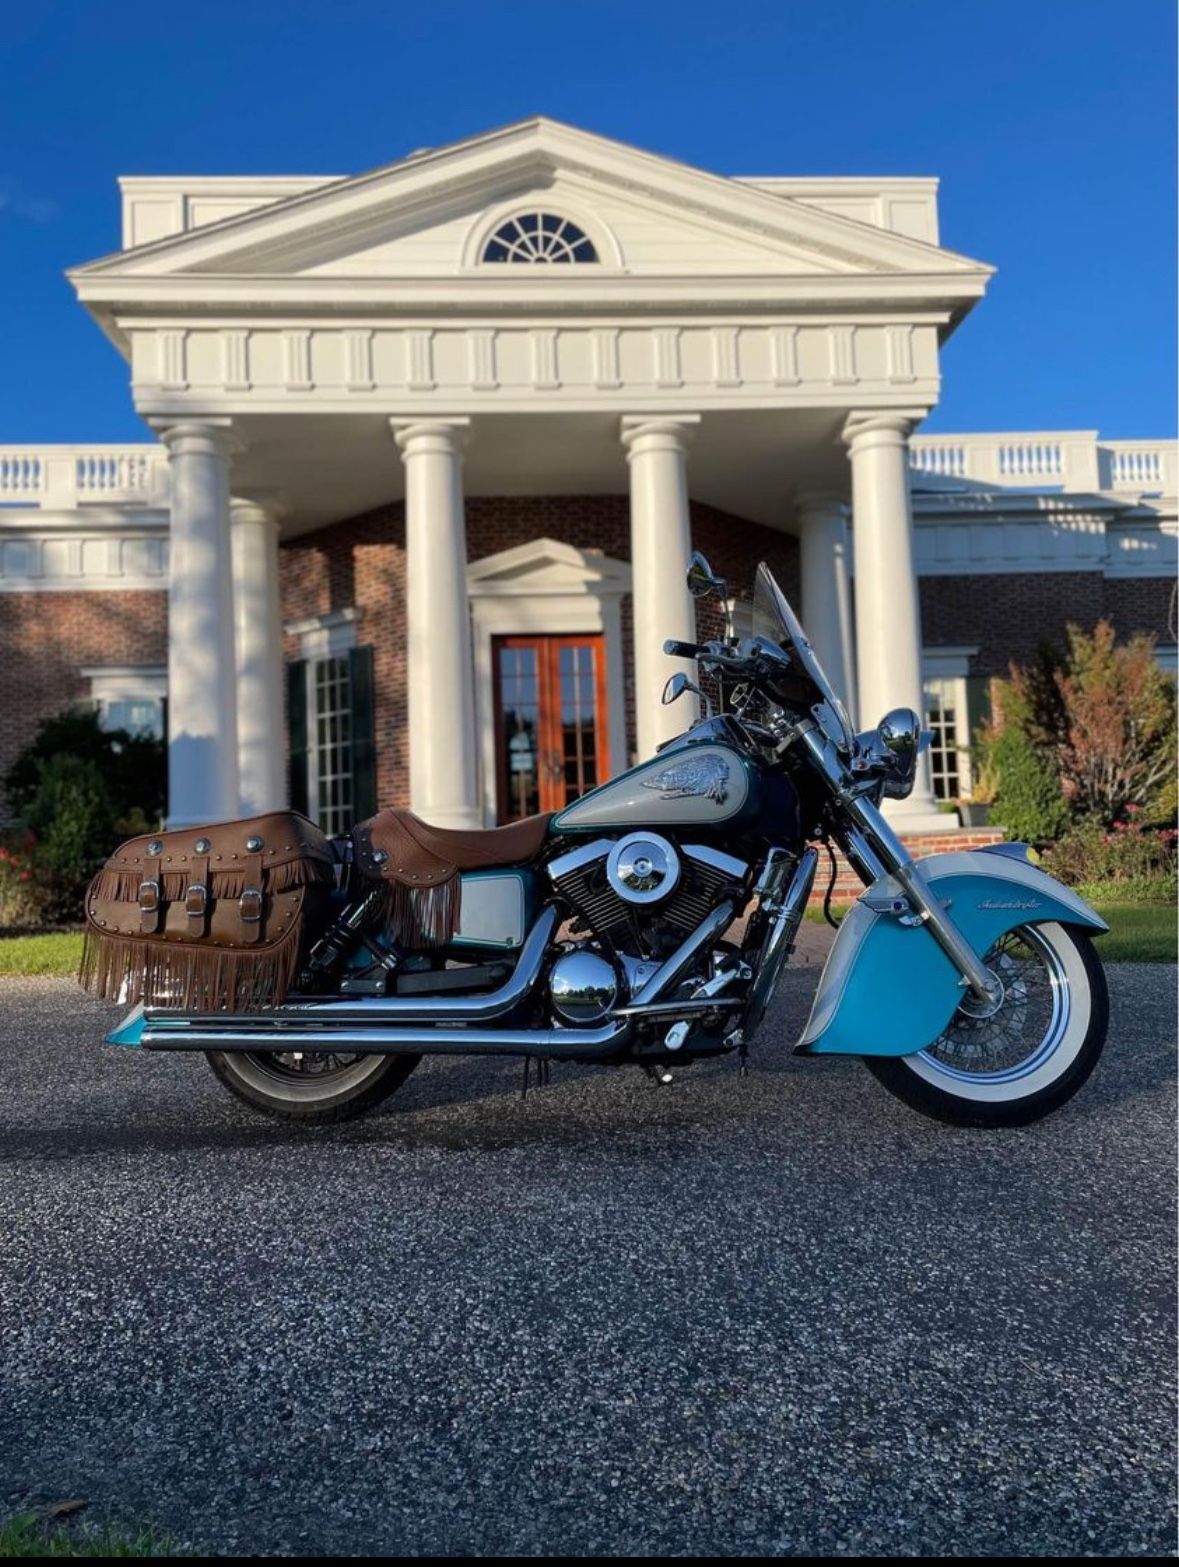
[774,619]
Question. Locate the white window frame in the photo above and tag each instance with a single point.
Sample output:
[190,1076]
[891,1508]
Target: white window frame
[321,637]
[948,667]
[127,683]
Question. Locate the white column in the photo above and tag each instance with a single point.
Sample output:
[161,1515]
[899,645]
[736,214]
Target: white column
[660,547]
[202,675]
[888,610]
[826,588]
[261,750]
[443,770]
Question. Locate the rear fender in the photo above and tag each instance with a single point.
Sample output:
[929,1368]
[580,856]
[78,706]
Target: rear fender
[888,989]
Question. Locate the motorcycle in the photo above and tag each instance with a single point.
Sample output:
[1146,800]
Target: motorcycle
[646,923]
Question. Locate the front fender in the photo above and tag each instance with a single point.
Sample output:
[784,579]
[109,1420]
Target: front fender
[888,989]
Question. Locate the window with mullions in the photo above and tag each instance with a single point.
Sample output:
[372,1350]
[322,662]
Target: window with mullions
[331,728]
[539,237]
[330,708]
[945,751]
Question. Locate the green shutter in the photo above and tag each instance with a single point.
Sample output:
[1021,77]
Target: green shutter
[364,751]
[297,723]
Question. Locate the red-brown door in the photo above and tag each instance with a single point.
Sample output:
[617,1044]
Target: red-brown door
[550,721]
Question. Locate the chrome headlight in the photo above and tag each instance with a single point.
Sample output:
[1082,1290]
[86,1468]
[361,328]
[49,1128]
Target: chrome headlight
[898,736]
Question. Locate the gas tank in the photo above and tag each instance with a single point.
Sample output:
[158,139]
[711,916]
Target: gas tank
[685,786]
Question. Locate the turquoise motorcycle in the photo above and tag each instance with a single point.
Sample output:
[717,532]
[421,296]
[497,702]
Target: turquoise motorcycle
[646,924]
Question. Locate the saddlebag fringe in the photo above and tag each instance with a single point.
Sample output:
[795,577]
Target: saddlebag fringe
[186,977]
[416,917]
[207,918]
[123,886]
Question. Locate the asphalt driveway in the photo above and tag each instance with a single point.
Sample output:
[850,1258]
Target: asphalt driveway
[779,1314]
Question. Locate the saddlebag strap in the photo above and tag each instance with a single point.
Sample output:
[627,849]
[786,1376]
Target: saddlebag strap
[249,905]
[196,899]
[151,897]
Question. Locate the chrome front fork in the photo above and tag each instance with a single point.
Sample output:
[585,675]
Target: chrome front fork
[874,850]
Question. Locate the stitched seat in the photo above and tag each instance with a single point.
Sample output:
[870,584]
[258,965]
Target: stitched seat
[473,848]
[399,846]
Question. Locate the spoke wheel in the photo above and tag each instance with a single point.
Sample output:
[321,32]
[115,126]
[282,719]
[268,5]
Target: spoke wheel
[1032,1018]
[1013,1063]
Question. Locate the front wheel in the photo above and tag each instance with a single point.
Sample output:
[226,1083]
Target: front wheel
[310,1086]
[1025,1058]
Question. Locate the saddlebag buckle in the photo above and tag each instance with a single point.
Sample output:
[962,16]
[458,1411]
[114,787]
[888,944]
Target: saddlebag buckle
[149,906]
[196,905]
[249,908]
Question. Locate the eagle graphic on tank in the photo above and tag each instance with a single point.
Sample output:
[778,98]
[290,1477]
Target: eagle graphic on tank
[704,775]
[685,785]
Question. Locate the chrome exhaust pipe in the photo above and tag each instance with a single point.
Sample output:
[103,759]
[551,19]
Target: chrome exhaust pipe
[463,1025]
[373,1011]
[557,1044]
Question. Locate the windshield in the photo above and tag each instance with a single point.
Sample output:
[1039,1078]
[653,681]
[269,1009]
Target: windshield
[774,619]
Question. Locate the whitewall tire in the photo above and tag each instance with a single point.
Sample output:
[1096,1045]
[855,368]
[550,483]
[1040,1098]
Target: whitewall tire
[1028,1057]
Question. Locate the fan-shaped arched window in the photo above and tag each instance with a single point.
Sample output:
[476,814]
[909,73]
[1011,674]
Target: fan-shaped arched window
[539,236]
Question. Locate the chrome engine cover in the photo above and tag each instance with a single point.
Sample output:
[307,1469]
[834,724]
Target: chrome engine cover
[583,987]
[643,868]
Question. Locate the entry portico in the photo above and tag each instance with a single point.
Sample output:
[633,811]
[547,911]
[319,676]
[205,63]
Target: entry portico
[534,312]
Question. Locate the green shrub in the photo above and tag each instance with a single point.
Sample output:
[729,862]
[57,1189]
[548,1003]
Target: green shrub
[1087,734]
[1103,716]
[132,767]
[74,825]
[1025,793]
[1131,861]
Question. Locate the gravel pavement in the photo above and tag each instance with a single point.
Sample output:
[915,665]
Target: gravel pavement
[773,1315]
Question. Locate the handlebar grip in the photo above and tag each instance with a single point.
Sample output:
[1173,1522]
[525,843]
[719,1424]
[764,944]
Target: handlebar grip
[681,649]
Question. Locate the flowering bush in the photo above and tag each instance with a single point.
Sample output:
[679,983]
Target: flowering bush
[1104,716]
[21,900]
[1131,859]
[1090,735]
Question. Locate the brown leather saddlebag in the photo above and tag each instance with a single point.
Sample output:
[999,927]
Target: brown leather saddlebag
[206,919]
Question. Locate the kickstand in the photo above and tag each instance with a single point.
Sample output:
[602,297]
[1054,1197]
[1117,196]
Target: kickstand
[543,1074]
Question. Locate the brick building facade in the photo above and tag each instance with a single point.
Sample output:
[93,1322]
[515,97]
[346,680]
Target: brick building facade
[417,523]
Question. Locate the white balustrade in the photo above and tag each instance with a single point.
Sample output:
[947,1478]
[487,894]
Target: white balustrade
[62,477]
[1071,460]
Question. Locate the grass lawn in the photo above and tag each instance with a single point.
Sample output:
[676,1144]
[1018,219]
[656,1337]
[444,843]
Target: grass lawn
[58,952]
[1139,933]
[33,1534]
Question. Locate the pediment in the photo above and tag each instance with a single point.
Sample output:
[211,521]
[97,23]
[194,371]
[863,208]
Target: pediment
[547,566]
[422,217]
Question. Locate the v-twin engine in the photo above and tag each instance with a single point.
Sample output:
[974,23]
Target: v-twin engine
[640,894]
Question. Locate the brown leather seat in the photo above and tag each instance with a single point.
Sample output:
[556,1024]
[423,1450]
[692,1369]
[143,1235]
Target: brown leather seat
[472,848]
[399,846]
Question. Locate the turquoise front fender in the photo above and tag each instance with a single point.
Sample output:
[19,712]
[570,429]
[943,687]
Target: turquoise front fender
[888,989]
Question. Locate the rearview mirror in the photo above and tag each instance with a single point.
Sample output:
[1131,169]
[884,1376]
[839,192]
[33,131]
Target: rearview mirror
[675,688]
[701,579]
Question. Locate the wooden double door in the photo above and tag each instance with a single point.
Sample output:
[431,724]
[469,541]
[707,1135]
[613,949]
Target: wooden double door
[550,721]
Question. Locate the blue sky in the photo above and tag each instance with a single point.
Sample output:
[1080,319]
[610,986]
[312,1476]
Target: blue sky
[1051,124]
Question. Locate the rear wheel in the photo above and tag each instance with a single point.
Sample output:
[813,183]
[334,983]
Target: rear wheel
[1025,1058]
[311,1085]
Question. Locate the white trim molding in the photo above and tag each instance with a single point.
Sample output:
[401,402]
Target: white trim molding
[127,682]
[96,551]
[546,588]
[326,636]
